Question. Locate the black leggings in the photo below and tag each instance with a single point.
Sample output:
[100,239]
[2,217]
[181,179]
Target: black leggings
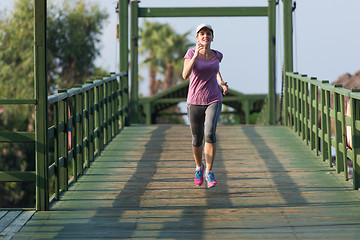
[201,116]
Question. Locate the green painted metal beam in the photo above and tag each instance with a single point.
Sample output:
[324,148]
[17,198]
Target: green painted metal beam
[169,100]
[204,12]
[124,59]
[41,129]
[17,101]
[288,36]
[29,176]
[134,36]
[272,61]
[288,51]
[6,136]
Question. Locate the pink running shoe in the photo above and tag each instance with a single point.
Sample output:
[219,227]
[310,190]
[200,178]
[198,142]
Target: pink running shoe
[210,179]
[199,176]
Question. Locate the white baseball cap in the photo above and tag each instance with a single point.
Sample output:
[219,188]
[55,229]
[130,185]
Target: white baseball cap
[204,25]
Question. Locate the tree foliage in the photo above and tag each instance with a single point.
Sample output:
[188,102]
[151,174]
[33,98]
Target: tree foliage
[164,50]
[73,37]
[16,61]
[73,32]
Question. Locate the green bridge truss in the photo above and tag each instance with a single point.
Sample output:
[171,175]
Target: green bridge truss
[98,110]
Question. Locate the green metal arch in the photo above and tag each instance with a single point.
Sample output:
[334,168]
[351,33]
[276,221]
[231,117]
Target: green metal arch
[150,107]
[137,12]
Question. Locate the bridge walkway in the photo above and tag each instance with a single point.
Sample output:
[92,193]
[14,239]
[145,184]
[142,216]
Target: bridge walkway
[270,185]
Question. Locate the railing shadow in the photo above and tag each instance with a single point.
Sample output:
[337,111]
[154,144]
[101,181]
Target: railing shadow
[279,174]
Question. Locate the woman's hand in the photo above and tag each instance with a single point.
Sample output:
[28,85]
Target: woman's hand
[189,63]
[224,87]
[198,47]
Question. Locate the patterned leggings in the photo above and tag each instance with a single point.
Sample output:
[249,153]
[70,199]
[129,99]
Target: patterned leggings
[203,116]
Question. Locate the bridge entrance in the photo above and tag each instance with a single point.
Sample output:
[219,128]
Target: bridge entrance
[144,12]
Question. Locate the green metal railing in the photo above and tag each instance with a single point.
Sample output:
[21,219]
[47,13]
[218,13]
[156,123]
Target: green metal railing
[17,137]
[313,108]
[82,121]
[86,118]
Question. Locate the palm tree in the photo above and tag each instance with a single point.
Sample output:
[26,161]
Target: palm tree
[171,53]
[150,42]
[165,49]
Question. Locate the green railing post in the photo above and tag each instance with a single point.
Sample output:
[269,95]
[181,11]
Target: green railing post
[285,109]
[328,126]
[317,142]
[86,114]
[115,96]
[290,91]
[124,59]
[293,103]
[91,122]
[56,151]
[355,133]
[109,112]
[102,118]
[106,113]
[78,144]
[71,137]
[339,128]
[117,108]
[40,82]
[306,110]
[247,112]
[114,116]
[97,118]
[296,105]
[301,109]
[325,124]
[63,143]
[342,138]
[148,111]
[313,114]
[120,108]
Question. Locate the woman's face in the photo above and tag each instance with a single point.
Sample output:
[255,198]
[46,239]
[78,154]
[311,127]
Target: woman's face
[205,36]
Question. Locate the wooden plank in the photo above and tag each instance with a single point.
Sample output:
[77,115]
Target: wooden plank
[2,214]
[16,225]
[8,219]
[270,186]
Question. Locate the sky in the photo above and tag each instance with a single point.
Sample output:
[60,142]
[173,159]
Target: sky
[326,40]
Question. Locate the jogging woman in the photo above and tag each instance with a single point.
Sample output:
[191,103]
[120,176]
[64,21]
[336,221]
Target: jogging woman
[204,101]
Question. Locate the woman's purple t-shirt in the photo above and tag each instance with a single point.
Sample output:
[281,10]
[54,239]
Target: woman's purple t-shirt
[203,87]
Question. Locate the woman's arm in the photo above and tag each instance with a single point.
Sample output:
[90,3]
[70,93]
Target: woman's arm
[222,83]
[189,63]
[188,67]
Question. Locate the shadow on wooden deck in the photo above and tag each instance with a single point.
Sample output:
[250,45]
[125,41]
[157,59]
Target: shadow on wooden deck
[269,186]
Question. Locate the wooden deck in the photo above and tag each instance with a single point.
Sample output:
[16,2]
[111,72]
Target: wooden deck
[270,186]
[12,221]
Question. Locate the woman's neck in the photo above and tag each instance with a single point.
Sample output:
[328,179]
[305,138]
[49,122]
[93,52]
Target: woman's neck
[206,51]
[206,54]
